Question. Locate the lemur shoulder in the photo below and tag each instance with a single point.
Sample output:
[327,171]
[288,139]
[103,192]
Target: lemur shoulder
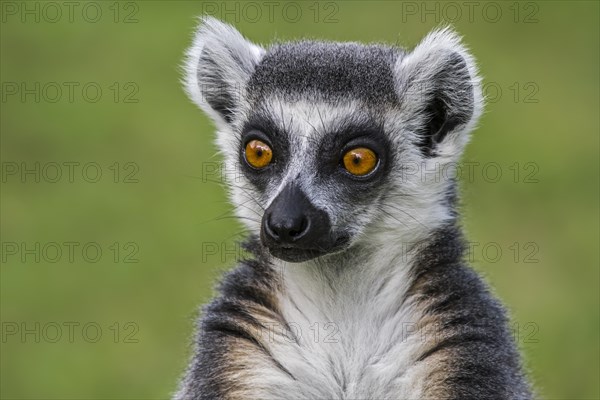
[357,288]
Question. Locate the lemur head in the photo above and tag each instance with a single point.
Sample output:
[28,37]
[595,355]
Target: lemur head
[337,144]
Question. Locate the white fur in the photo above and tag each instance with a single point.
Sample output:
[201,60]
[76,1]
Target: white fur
[374,349]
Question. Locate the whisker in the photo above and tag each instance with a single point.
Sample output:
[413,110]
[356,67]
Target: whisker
[402,211]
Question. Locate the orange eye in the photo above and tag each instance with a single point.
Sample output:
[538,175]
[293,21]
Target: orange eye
[360,161]
[258,154]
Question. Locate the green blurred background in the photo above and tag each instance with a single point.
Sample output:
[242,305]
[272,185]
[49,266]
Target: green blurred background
[540,64]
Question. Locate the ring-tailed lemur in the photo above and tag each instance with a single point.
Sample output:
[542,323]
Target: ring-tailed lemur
[357,288]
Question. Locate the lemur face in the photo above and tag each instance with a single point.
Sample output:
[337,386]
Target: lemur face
[327,166]
[330,138]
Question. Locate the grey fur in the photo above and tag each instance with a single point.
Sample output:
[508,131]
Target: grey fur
[327,71]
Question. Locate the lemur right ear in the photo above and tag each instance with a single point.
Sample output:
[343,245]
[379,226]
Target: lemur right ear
[218,65]
[439,88]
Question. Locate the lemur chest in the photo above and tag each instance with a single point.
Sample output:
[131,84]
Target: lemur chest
[345,349]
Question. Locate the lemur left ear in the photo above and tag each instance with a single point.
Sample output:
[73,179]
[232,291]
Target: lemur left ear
[218,65]
[439,88]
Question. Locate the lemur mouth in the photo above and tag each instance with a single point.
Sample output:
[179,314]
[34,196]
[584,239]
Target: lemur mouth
[291,254]
[295,254]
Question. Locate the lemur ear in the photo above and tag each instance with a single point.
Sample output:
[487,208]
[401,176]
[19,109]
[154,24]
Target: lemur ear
[439,87]
[218,65]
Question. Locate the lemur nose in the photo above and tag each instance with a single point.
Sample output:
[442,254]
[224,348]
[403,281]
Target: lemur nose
[292,221]
[286,228]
